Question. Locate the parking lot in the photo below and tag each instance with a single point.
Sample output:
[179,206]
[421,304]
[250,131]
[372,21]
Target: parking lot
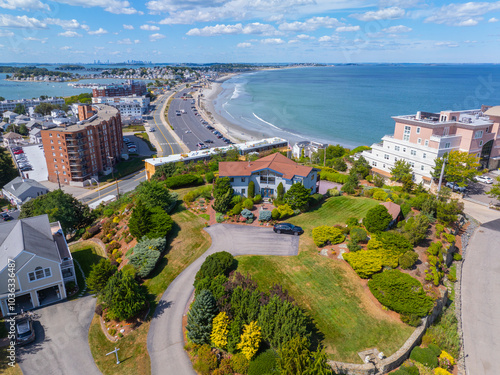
[478,191]
[35,157]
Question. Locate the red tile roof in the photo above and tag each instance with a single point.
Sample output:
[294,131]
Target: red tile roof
[393,208]
[277,162]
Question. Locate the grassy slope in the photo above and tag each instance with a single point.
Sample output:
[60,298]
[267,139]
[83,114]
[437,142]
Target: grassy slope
[86,253]
[329,289]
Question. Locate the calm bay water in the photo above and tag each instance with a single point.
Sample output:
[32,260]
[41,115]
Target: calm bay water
[351,105]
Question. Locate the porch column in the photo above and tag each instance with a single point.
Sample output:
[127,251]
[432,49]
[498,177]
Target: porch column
[34,298]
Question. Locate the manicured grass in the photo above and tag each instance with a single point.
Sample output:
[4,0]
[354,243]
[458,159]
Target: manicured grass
[124,168]
[134,128]
[133,353]
[86,253]
[185,244]
[329,290]
[5,369]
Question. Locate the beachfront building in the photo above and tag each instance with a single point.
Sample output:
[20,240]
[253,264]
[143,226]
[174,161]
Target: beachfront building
[77,153]
[307,148]
[267,173]
[129,106]
[10,105]
[425,136]
[130,87]
[194,156]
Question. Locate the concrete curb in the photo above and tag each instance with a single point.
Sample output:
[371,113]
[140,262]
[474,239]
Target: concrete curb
[169,129]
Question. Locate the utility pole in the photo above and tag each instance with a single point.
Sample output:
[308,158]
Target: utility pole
[441,176]
[58,182]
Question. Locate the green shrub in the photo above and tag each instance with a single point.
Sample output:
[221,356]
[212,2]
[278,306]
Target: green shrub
[265,215]
[435,349]
[218,263]
[353,246]
[377,219]
[411,320]
[450,238]
[203,191]
[275,214]
[247,214]
[333,192]
[206,360]
[400,292]
[407,260]
[146,254]
[405,209]
[240,363]
[257,199]
[364,263]
[439,230]
[112,246]
[236,210]
[183,180]
[352,222]
[424,356]
[219,217]
[251,189]
[237,199]
[315,199]
[264,364]
[285,211]
[358,234]
[380,195]
[248,204]
[457,257]
[407,370]
[108,212]
[324,235]
[209,176]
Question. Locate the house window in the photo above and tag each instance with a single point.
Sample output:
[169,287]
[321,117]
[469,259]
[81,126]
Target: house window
[396,148]
[446,131]
[386,156]
[418,130]
[404,149]
[421,167]
[447,145]
[419,141]
[243,191]
[39,273]
[406,135]
[374,163]
[50,134]
[426,143]
[480,142]
[424,155]
[413,152]
[243,179]
[478,134]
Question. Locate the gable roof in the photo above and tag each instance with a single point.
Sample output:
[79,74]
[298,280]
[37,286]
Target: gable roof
[18,187]
[393,209]
[493,111]
[11,135]
[32,234]
[35,131]
[277,162]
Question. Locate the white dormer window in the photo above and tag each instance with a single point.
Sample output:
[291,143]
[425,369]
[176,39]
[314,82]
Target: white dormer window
[39,273]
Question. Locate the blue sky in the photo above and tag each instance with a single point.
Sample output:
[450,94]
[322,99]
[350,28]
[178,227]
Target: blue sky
[259,31]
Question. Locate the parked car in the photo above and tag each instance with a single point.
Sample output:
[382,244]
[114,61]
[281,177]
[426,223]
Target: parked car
[26,168]
[17,152]
[24,330]
[6,217]
[125,139]
[287,228]
[484,179]
[152,129]
[208,141]
[454,186]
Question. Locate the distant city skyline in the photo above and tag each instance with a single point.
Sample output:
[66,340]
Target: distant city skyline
[251,31]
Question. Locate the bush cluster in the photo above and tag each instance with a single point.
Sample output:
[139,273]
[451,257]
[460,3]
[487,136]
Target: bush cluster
[425,356]
[183,180]
[333,177]
[203,191]
[265,215]
[218,263]
[324,235]
[364,263]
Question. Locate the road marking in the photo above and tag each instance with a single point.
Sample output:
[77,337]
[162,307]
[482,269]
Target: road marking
[114,187]
[154,119]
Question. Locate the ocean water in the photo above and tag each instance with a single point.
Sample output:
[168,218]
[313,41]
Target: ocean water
[351,105]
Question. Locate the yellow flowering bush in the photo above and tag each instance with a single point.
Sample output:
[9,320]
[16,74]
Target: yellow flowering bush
[441,371]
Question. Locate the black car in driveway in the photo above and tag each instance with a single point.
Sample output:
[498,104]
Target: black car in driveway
[24,330]
[287,228]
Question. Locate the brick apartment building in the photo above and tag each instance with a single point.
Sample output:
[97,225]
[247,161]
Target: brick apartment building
[129,88]
[76,153]
[425,136]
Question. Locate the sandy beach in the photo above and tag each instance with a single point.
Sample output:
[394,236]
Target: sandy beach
[233,131]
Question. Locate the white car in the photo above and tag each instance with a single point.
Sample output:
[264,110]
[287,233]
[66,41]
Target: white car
[484,179]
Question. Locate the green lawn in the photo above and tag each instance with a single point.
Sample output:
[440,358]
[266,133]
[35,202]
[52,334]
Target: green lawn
[124,168]
[86,253]
[5,369]
[329,289]
[134,128]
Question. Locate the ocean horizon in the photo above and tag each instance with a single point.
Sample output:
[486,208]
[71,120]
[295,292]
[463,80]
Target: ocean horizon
[351,105]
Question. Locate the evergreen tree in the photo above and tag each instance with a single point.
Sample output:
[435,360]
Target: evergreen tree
[233,338]
[251,189]
[296,358]
[281,190]
[222,203]
[100,274]
[297,196]
[220,330]
[161,223]
[352,183]
[377,219]
[250,340]
[140,221]
[401,169]
[154,194]
[200,316]
[7,169]
[123,297]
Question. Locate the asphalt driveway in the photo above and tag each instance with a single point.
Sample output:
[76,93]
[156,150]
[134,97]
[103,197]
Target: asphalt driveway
[480,300]
[61,346]
[165,338]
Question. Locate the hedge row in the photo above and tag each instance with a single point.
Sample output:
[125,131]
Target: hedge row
[365,263]
[333,177]
[183,180]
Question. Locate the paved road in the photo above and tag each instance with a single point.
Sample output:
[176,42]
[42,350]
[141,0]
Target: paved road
[167,142]
[188,125]
[480,300]
[165,338]
[61,346]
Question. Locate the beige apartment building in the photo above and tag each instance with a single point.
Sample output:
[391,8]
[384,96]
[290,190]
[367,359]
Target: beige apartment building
[425,136]
[77,153]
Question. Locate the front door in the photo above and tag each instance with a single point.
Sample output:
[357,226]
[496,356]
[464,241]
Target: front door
[266,192]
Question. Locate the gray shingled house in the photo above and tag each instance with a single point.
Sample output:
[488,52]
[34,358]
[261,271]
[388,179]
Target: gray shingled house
[21,190]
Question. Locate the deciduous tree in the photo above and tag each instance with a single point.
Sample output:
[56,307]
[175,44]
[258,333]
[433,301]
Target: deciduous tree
[7,170]
[297,196]
[460,167]
[250,340]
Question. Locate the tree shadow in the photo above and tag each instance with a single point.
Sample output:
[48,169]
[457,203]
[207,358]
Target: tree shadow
[158,308]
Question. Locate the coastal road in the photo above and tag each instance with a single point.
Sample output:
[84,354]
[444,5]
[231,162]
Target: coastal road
[188,125]
[480,302]
[167,142]
[165,337]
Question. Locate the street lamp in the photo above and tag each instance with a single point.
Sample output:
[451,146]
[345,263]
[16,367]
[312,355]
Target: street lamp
[113,174]
[99,191]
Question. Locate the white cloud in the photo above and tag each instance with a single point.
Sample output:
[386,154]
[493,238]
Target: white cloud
[156,36]
[328,38]
[304,37]
[150,27]
[311,24]
[99,31]
[244,45]
[32,39]
[22,22]
[66,24]
[251,28]
[342,29]
[28,5]
[446,44]
[382,14]
[112,6]
[272,41]
[128,27]
[70,34]
[65,48]
[492,20]
[124,41]
[397,29]
[467,14]
[6,33]
[137,41]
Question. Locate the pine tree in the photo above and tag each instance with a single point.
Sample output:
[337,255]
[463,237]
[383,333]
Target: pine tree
[99,275]
[296,358]
[251,189]
[250,340]
[140,220]
[233,338]
[297,196]
[199,320]
[281,190]
[220,330]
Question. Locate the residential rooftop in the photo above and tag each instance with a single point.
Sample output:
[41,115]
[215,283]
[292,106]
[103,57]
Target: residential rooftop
[104,113]
[473,117]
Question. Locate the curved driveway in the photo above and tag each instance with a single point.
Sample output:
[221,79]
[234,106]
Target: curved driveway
[165,338]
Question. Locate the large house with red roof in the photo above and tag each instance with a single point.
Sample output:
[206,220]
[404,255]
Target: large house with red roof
[267,173]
